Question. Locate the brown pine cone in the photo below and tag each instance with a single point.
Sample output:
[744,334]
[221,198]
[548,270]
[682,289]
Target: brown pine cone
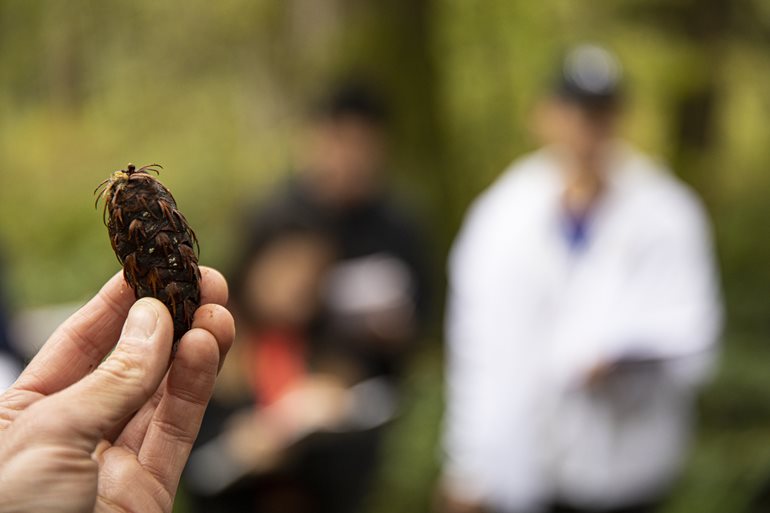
[153,242]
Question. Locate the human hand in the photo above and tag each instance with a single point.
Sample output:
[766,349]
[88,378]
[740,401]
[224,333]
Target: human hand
[609,371]
[445,502]
[117,438]
[257,439]
[599,374]
[318,402]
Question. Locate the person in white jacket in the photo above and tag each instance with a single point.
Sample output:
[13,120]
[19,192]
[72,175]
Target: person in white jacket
[583,314]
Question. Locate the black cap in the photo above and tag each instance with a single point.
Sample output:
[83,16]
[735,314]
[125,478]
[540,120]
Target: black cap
[590,76]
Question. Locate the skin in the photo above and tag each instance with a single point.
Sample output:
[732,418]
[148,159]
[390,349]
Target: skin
[343,159]
[284,281]
[582,138]
[444,502]
[78,434]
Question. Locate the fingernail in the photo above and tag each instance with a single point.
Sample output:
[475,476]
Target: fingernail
[142,321]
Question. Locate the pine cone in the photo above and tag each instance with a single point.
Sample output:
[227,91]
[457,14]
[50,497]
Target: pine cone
[153,242]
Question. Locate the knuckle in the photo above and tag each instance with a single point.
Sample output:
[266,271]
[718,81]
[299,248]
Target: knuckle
[125,370]
[174,431]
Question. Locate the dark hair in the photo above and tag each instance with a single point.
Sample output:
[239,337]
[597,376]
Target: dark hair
[272,224]
[352,98]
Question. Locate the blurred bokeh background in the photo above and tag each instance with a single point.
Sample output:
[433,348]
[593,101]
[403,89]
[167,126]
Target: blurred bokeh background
[216,92]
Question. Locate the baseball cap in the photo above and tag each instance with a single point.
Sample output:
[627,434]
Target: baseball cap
[590,76]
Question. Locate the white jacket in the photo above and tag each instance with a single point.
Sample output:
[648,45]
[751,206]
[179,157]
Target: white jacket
[528,318]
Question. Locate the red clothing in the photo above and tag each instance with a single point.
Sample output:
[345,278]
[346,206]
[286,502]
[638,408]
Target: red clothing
[276,363]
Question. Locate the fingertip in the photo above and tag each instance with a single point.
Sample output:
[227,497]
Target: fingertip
[213,286]
[199,350]
[117,293]
[142,312]
[218,321]
[117,280]
[154,303]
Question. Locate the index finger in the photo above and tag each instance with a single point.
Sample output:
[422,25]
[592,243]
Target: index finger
[82,341]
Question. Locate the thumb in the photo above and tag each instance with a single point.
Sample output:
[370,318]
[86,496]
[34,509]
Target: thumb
[124,381]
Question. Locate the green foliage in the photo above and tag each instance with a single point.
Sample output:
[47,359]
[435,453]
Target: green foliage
[215,91]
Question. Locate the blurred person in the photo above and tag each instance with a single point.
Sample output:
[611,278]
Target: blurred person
[94,426]
[331,293]
[584,313]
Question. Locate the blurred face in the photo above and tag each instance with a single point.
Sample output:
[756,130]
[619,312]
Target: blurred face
[282,284]
[581,135]
[345,159]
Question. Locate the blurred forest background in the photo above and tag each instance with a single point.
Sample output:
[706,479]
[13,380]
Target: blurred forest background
[216,91]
